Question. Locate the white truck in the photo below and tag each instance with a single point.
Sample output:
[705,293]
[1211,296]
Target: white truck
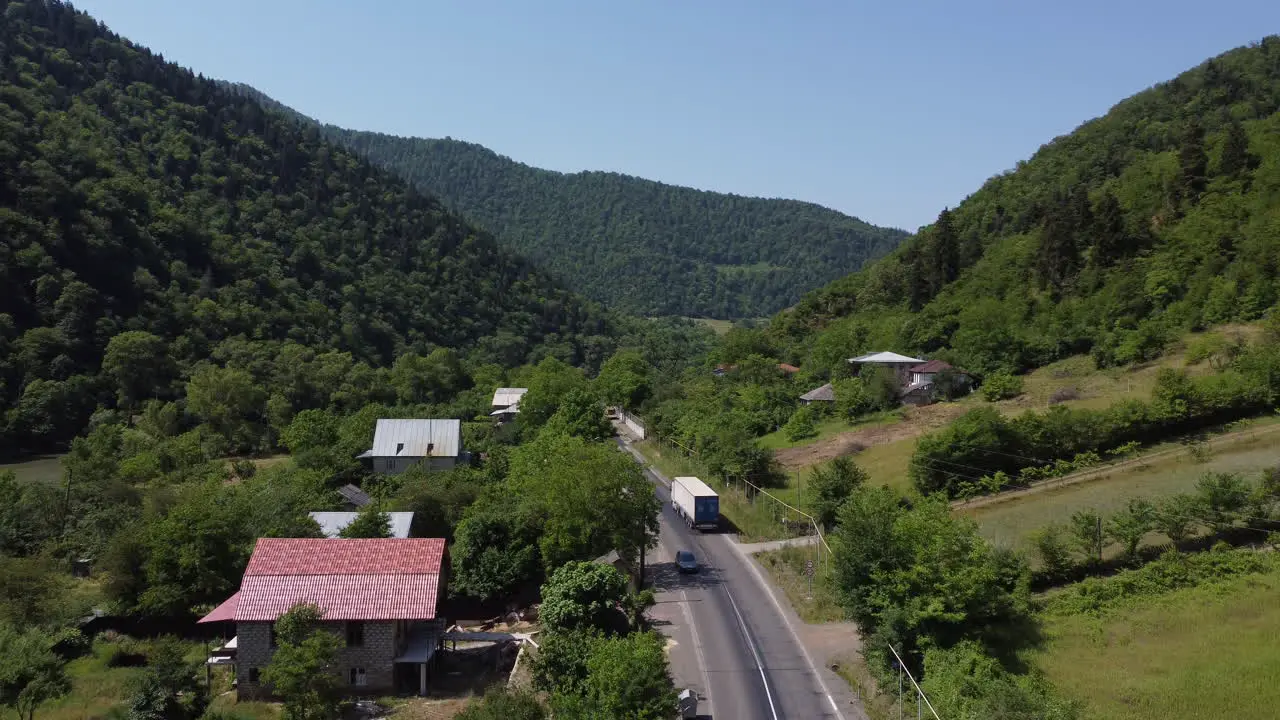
[697,503]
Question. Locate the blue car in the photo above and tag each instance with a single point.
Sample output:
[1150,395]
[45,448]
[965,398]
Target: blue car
[686,562]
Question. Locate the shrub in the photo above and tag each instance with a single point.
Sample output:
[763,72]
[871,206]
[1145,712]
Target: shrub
[1001,386]
[800,426]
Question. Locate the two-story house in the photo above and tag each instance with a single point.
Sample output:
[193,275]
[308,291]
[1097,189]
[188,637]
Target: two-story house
[378,595]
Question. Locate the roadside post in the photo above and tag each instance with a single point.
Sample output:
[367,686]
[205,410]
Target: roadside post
[808,571]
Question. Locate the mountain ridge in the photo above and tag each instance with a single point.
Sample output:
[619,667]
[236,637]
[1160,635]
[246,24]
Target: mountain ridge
[683,250]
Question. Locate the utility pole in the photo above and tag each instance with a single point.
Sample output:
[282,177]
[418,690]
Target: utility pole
[66,505]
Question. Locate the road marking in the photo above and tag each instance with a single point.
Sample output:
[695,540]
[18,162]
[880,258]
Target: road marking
[697,650]
[785,621]
[751,643]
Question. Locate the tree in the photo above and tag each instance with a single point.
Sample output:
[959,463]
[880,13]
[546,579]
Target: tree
[169,689]
[583,595]
[1177,517]
[1086,531]
[1001,386]
[830,486]
[549,383]
[1236,158]
[1131,524]
[1223,496]
[800,425]
[230,401]
[139,363]
[943,252]
[303,669]
[1109,238]
[1059,253]
[624,379]
[495,548]
[502,704]
[627,677]
[1192,163]
[30,672]
[580,415]
[370,522]
[1051,545]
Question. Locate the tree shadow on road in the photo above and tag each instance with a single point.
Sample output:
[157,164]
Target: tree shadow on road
[666,577]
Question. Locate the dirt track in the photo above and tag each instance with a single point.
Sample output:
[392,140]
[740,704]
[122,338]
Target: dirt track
[918,421]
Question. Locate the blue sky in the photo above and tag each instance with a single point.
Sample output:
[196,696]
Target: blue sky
[887,111]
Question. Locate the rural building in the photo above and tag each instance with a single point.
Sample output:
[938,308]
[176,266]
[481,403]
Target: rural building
[353,497]
[379,595]
[400,444]
[900,364]
[332,523]
[826,393]
[923,383]
[507,397]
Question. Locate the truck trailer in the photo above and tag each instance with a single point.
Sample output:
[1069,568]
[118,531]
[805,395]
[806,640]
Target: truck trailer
[697,503]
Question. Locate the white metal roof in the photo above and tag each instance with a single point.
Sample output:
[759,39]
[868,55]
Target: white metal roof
[502,397]
[509,410]
[695,486]
[331,523]
[885,358]
[417,438]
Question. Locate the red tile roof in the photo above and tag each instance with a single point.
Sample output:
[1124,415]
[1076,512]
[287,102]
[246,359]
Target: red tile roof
[932,366]
[225,611]
[329,556]
[365,579]
[789,369]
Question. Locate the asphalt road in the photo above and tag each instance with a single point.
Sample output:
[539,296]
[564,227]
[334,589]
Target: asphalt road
[752,663]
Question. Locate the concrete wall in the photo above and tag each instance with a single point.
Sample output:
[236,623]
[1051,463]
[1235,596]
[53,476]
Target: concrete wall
[633,423]
[377,656]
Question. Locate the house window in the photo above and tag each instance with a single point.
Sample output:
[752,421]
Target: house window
[358,678]
[253,674]
[355,634]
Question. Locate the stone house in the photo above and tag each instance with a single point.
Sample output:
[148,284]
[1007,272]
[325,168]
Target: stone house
[379,595]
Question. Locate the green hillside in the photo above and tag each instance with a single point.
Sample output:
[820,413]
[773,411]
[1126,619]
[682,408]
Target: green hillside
[1160,217]
[152,221]
[639,245]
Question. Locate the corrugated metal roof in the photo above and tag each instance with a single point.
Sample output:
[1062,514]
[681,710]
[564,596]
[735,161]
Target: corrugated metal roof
[342,597]
[322,556]
[502,397]
[354,495]
[331,523]
[695,486]
[826,392]
[225,611]
[885,357]
[417,438]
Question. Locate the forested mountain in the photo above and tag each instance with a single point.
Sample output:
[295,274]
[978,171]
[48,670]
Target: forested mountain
[1160,217]
[638,245]
[153,222]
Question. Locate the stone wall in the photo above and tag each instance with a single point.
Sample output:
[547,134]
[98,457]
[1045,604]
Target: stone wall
[377,657]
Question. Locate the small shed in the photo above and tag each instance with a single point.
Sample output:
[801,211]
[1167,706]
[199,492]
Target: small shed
[826,393]
[354,497]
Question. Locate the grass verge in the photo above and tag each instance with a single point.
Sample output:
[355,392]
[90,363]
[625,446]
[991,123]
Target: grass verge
[816,603]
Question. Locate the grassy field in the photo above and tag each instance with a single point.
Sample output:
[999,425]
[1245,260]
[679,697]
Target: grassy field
[1011,523]
[1208,653]
[46,468]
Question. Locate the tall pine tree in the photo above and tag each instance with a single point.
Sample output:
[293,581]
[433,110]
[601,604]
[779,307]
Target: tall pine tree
[1192,163]
[1108,230]
[944,253]
[1059,254]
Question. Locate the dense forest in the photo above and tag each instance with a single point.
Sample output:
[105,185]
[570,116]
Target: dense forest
[681,251]
[1160,217]
[159,230]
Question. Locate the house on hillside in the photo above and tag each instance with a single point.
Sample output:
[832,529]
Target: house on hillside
[900,364]
[506,403]
[924,382]
[826,393]
[332,523]
[353,498]
[379,596]
[400,444]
